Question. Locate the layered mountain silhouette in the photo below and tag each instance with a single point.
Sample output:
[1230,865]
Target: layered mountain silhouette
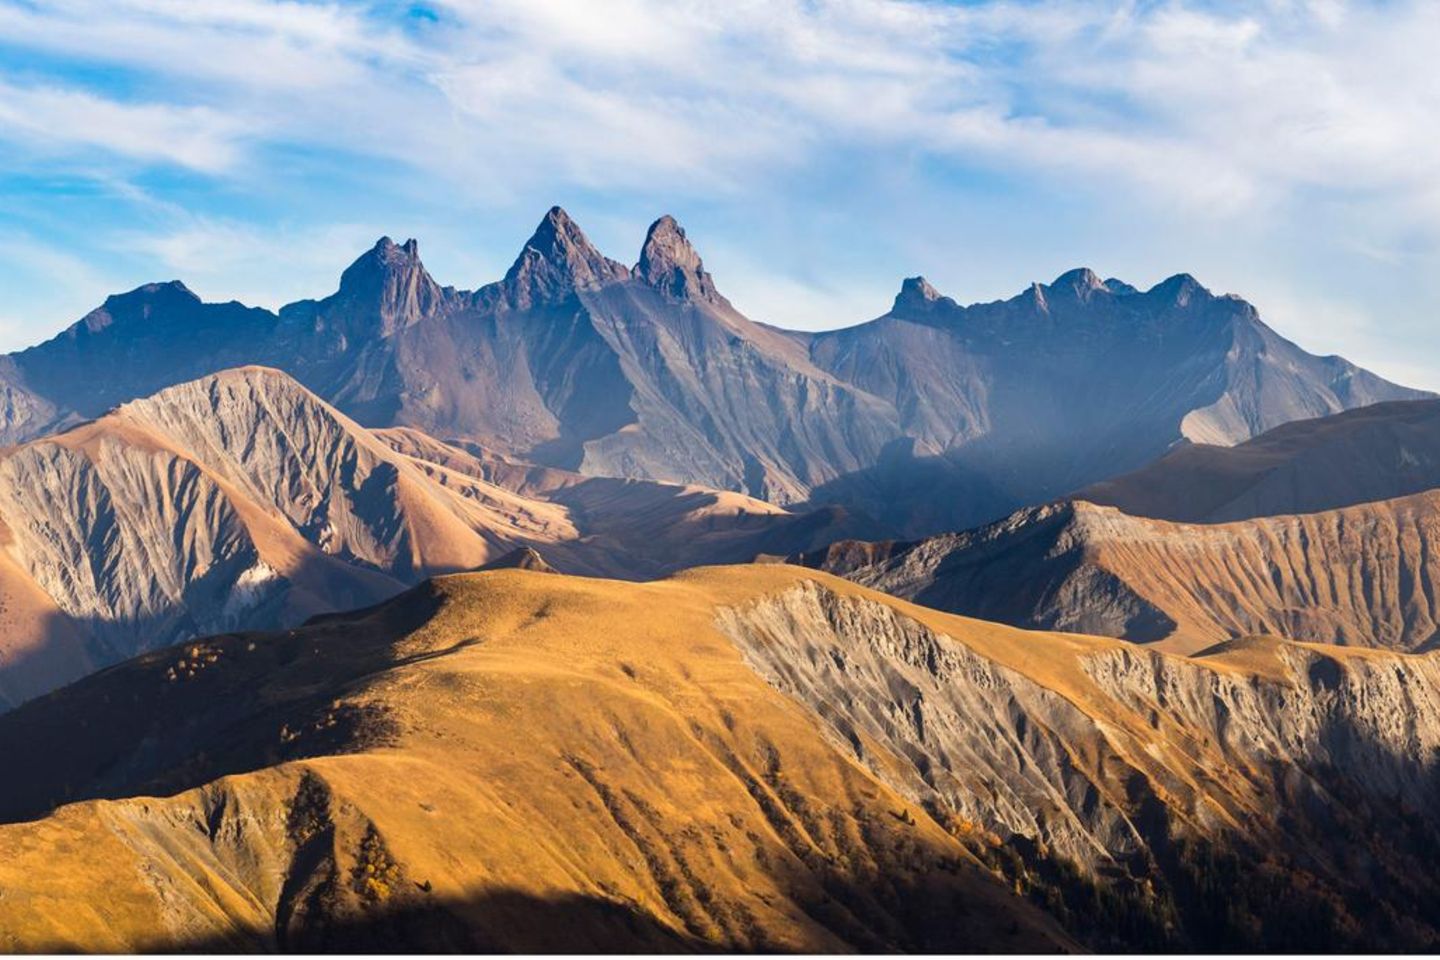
[1358,576]
[743,758]
[391,621]
[1378,452]
[1323,530]
[933,416]
[242,500]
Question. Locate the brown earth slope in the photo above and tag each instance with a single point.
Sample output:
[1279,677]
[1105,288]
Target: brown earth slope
[744,757]
[1366,575]
[242,500]
[497,761]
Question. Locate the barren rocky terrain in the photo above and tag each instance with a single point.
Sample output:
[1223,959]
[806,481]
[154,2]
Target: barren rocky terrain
[1358,576]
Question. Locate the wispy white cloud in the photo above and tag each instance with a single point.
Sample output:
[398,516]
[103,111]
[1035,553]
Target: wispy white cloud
[50,120]
[1292,123]
[1221,108]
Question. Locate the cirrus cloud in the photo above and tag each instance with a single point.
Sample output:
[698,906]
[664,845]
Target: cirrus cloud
[1277,145]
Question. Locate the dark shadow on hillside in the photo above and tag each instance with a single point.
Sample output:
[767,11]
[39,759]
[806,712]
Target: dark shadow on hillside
[499,922]
[913,496]
[187,714]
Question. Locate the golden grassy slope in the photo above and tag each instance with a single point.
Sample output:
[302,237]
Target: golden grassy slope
[553,763]
[758,757]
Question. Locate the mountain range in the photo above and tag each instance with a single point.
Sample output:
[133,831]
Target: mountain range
[1323,530]
[422,619]
[242,500]
[578,362]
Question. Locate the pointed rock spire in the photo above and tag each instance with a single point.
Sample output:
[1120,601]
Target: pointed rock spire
[385,259]
[390,285]
[917,296]
[558,260]
[670,264]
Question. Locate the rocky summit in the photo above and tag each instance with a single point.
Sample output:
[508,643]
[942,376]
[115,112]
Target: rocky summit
[573,360]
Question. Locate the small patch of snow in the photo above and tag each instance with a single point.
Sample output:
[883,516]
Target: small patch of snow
[249,588]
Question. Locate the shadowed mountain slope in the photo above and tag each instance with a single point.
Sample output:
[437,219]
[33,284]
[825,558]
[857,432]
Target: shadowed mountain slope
[578,362]
[1376,453]
[1364,575]
[747,758]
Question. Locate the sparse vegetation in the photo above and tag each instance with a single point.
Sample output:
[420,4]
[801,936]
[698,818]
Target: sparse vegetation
[375,875]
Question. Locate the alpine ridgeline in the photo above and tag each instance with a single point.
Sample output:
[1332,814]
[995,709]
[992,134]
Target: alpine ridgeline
[934,416]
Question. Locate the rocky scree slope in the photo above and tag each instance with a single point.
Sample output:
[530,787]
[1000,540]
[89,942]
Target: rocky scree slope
[1359,576]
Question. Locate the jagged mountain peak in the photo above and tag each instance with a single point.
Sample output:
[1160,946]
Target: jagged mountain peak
[557,260]
[916,294]
[140,303]
[669,263]
[386,288]
[1179,289]
[384,258]
[1082,281]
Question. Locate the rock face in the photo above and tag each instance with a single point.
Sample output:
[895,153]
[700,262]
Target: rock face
[521,558]
[242,500]
[670,264]
[577,362]
[745,758]
[1258,758]
[1358,576]
[1375,453]
[1320,530]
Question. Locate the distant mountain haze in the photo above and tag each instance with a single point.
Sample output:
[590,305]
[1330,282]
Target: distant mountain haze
[1377,452]
[242,500]
[1324,530]
[931,417]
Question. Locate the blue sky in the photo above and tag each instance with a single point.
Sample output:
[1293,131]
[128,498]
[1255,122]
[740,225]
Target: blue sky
[817,152]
